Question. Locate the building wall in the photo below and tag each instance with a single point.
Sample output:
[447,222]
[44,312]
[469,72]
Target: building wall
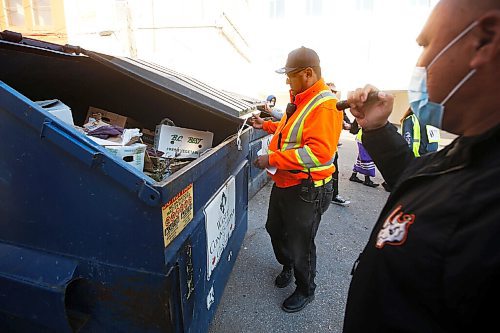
[401,105]
[358,41]
[100,25]
[40,19]
[206,39]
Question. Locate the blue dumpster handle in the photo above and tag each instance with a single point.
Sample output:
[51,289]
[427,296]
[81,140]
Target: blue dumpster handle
[51,132]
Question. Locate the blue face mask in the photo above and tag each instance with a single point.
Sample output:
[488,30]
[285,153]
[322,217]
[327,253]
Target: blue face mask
[427,112]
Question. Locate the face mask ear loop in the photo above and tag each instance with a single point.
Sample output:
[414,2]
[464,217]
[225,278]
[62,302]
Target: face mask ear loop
[472,72]
[450,44]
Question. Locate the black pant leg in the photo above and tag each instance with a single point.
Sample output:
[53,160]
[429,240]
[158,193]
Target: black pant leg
[276,227]
[335,175]
[302,221]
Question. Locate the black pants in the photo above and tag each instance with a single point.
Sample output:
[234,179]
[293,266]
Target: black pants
[292,222]
[335,175]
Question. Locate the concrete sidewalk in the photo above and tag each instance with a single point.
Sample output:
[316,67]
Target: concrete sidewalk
[251,303]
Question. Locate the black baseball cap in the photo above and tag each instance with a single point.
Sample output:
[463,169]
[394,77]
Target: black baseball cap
[302,57]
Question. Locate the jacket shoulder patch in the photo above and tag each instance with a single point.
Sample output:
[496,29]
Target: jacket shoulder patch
[395,228]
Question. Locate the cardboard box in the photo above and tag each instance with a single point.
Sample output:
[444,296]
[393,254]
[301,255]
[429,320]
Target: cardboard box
[112,118]
[182,142]
[58,109]
[132,155]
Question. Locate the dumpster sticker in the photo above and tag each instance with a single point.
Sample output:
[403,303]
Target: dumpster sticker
[210,298]
[220,214]
[177,213]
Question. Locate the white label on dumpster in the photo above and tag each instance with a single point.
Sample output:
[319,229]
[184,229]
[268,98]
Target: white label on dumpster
[210,298]
[177,213]
[220,214]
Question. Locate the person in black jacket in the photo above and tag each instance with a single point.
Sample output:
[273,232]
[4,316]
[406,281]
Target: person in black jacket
[432,262]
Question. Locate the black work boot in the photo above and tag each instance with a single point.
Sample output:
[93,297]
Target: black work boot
[355,178]
[296,301]
[368,182]
[284,278]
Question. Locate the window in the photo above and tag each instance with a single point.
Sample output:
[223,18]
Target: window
[42,13]
[314,7]
[276,8]
[15,12]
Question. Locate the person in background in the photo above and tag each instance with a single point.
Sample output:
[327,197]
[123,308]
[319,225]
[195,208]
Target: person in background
[301,150]
[364,163]
[270,107]
[337,199]
[347,121]
[432,262]
[421,138]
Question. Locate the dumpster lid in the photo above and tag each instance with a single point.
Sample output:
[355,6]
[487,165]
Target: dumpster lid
[188,89]
[183,86]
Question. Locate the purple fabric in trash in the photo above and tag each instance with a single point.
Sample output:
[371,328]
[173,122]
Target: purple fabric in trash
[105,132]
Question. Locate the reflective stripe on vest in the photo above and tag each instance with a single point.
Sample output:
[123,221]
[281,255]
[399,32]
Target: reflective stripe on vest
[416,135]
[358,136]
[293,140]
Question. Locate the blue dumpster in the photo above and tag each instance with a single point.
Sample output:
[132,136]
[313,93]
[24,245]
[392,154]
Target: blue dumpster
[89,243]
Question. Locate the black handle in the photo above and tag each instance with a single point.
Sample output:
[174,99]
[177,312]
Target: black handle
[372,97]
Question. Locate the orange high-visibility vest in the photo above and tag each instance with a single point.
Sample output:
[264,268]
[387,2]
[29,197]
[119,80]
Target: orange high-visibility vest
[306,142]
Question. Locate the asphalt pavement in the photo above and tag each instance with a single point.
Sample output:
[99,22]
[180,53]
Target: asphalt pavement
[251,303]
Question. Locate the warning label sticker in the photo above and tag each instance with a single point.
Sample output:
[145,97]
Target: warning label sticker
[177,213]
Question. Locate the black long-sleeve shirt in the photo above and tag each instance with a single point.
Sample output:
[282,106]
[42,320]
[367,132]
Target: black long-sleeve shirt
[432,262]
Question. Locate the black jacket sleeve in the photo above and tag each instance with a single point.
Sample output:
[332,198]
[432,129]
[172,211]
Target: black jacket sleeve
[346,118]
[389,151]
[354,127]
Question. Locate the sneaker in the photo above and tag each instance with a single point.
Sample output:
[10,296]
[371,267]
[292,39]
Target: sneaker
[338,200]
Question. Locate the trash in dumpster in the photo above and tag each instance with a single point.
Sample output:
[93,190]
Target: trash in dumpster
[58,109]
[182,142]
[105,131]
[111,118]
[131,153]
[148,137]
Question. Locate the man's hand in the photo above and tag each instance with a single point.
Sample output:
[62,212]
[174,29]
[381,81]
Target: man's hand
[370,115]
[262,161]
[267,108]
[256,121]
